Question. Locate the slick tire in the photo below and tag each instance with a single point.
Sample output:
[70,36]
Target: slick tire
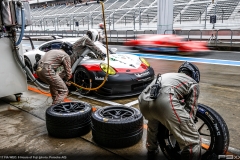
[69,119]
[182,53]
[29,65]
[219,135]
[117,126]
[83,78]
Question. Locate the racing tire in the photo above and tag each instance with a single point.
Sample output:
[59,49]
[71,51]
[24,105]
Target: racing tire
[117,126]
[69,119]
[217,133]
[181,53]
[82,78]
[134,48]
[65,132]
[29,65]
[141,49]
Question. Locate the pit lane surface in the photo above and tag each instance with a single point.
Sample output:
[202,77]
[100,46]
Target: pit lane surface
[219,82]
[23,127]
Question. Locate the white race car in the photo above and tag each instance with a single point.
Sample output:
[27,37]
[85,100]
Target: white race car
[129,74]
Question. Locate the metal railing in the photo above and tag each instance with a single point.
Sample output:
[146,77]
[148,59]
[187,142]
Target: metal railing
[226,36]
[195,30]
[216,44]
[173,31]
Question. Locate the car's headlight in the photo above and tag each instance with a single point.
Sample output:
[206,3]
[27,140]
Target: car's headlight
[104,67]
[144,61]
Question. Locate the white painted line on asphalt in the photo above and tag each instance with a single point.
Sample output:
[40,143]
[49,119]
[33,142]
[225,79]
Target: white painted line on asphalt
[234,150]
[96,99]
[104,101]
[230,149]
[131,103]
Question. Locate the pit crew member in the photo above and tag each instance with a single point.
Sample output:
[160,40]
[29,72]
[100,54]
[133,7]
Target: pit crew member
[47,70]
[87,41]
[171,99]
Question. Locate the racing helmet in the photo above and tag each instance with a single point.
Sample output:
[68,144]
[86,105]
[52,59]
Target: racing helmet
[67,47]
[93,34]
[101,25]
[190,70]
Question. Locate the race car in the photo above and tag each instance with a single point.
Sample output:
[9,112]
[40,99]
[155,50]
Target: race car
[128,74]
[167,43]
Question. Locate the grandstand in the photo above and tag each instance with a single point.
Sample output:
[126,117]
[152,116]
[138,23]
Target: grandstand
[133,14]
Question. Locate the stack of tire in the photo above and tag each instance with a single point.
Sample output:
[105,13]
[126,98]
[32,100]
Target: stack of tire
[117,126]
[69,119]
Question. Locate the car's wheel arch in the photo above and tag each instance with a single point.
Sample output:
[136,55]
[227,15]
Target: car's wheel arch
[84,67]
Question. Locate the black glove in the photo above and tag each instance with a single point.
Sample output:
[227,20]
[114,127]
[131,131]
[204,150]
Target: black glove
[102,56]
[152,155]
[37,58]
[35,66]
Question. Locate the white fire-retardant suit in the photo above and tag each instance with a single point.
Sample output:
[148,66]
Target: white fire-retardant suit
[101,32]
[175,108]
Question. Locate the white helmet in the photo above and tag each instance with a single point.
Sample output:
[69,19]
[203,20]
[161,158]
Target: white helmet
[93,34]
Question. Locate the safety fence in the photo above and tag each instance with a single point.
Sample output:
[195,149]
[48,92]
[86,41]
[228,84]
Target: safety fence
[215,37]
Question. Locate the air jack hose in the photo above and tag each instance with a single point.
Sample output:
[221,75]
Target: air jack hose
[26,69]
[16,51]
[23,24]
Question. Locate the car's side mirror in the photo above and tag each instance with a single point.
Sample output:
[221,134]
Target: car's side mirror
[114,49]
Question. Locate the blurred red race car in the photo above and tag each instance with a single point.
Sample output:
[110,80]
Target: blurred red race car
[167,43]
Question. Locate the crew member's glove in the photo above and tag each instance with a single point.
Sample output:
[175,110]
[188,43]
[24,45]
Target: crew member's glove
[152,155]
[35,66]
[68,83]
[102,56]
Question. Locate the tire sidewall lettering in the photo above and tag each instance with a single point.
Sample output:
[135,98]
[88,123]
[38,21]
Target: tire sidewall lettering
[213,120]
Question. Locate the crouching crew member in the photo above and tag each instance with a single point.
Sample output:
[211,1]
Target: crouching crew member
[47,71]
[172,100]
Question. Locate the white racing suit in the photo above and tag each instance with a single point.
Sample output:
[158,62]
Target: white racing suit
[175,108]
[101,35]
[46,71]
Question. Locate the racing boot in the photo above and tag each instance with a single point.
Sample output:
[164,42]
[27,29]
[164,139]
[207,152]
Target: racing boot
[151,155]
